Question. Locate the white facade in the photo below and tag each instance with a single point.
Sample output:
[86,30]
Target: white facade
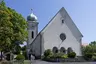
[49,37]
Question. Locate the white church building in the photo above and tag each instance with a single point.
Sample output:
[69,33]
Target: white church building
[60,32]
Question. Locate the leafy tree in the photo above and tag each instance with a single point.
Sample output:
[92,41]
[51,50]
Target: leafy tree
[89,51]
[92,43]
[20,57]
[12,28]
[24,51]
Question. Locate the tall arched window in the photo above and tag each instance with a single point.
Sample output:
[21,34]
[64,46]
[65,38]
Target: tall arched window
[55,50]
[62,50]
[32,34]
[69,50]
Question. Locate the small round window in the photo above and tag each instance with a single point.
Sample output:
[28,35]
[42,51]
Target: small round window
[62,36]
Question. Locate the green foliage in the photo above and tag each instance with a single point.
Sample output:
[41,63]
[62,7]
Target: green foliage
[12,28]
[88,55]
[86,49]
[72,55]
[64,56]
[47,52]
[20,57]
[94,58]
[49,55]
[23,48]
[92,43]
[89,51]
[24,51]
[58,55]
[17,50]
[89,48]
[94,54]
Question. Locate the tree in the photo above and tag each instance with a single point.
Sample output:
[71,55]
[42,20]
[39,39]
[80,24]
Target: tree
[93,46]
[89,51]
[12,28]
[24,51]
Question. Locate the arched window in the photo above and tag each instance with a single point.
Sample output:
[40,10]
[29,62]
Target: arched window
[69,50]
[63,50]
[62,21]
[55,50]
[32,34]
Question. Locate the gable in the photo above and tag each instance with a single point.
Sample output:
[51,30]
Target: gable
[71,25]
[75,31]
[62,12]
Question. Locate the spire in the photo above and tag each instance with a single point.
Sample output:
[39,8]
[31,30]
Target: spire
[32,17]
[31,10]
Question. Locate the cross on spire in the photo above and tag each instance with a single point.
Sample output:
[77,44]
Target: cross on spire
[32,10]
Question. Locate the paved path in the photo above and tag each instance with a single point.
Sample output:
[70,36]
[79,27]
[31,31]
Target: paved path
[44,62]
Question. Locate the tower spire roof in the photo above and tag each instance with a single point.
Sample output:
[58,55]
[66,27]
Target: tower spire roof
[32,17]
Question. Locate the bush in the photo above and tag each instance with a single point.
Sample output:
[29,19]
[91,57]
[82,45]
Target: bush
[88,55]
[64,56]
[58,55]
[20,57]
[94,58]
[94,54]
[47,52]
[71,55]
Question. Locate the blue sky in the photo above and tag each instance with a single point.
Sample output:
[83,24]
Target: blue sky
[82,12]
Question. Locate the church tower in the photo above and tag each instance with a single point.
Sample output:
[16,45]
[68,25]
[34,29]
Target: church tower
[32,27]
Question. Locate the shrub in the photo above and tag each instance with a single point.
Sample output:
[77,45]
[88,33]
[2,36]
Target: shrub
[47,52]
[64,56]
[94,58]
[56,55]
[94,54]
[59,55]
[20,57]
[88,55]
[71,55]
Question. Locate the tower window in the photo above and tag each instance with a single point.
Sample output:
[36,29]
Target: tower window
[62,20]
[32,34]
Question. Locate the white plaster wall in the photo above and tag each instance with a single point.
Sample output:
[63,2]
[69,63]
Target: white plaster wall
[52,32]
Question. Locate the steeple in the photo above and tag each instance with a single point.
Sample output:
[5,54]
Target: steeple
[32,17]
[32,27]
